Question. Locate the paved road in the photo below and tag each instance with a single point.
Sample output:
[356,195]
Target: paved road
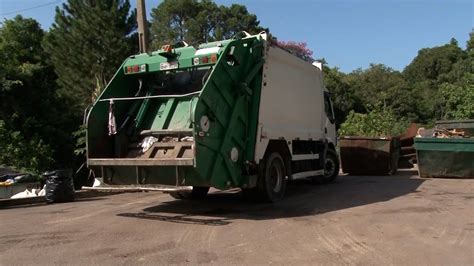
[358,220]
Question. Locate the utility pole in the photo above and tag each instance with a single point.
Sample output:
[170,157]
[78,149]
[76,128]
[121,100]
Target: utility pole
[142,26]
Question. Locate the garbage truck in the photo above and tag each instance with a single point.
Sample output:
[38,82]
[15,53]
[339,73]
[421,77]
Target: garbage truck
[238,113]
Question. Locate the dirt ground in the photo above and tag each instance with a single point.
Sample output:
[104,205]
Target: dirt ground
[360,220]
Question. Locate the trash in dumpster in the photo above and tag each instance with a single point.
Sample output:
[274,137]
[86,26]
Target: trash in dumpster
[13,182]
[11,189]
[147,143]
[441,133]
[446,150]
[28,194]
[7,182]
[449,129]
[59,186]
[17,178]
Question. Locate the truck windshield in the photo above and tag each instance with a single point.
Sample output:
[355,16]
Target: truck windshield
[177,82]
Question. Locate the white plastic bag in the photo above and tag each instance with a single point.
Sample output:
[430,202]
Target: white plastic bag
[24,194]
[42,192]
[97,183]
[147,143]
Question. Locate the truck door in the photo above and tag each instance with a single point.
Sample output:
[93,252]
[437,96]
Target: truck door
[329,126]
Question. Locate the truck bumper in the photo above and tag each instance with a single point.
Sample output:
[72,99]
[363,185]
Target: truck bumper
[138,172]
[140,162]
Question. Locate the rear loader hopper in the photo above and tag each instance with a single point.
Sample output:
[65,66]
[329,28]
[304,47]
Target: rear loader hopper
[233,113]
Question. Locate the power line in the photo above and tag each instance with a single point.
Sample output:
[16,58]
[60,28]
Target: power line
[30,8]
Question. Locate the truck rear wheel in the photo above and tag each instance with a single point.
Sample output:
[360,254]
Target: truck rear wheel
[199,192]
[331,167]
[196,193]
[272,178]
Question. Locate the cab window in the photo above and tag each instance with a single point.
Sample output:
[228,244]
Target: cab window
[328,107]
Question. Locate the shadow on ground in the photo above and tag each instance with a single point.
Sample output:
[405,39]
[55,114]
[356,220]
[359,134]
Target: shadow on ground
[41,201]
[303,198]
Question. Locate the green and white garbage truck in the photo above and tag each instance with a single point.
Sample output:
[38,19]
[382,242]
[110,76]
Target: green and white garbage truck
[239,113]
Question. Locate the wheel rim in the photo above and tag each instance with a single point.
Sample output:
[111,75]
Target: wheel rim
[329,167]
[276,177]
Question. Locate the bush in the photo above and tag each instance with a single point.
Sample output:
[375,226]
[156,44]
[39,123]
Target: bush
[380,122]
[30,155]
[458,101]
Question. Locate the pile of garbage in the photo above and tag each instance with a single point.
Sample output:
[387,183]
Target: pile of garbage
[448,129]
[58,185]
[10,179]
[441,133]
[30,193]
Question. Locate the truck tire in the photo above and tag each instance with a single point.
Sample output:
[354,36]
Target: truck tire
[331,167]
[196,193]
[199,192]
[272,178]
[180,195]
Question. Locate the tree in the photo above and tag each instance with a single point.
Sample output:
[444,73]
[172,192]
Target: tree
[458,101]
[234,19]
[458,95]
[87,42]
[470,42]
[381,85]
[342,94]
[198,22]
[33,121]
[432,64]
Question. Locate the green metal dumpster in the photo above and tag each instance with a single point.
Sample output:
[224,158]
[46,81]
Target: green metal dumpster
[445,157]
[369,156]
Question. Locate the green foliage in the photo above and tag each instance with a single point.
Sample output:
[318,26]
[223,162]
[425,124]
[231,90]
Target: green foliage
[433,64]
[379,122]
[87,42]
[80,136]
[343,95]
[198,22]
[381,84]
[28,154]
[34,120]
[437,84]
[458,101]
[470,42]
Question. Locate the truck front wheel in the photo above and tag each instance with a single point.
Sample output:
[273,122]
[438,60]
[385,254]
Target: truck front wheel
[331,167]
[272,178]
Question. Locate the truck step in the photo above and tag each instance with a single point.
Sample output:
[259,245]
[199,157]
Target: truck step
[182,132]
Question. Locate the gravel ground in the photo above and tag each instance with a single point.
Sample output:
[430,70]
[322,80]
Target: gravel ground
[365,220]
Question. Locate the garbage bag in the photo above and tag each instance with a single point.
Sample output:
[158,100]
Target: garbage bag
[59,186]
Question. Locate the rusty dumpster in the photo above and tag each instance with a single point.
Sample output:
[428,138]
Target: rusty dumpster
[369,156]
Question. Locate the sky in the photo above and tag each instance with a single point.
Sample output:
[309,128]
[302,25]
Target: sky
[349,34]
